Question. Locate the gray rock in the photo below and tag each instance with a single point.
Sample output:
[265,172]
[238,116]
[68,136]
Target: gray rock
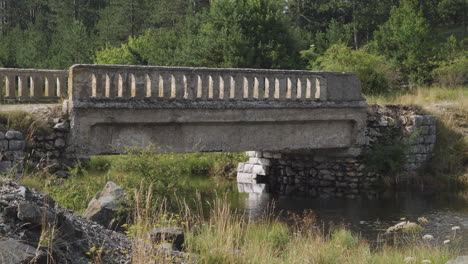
[5,166]
[13,251]
[16,145]
[459,260]
[59,143]
[34,214]
[3,144]
[174,235]
[13,135]
[14,155]
[62,127]
[2,135]
[104,206]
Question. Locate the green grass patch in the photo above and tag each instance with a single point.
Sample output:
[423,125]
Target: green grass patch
[173,176]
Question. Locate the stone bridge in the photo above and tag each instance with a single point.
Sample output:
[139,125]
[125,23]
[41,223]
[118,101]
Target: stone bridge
[201,109]
[303,130]
[113,107]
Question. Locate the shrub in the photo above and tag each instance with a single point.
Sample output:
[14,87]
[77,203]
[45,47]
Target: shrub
[374,73]
[452,73]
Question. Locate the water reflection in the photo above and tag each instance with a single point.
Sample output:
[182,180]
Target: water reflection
[371,217]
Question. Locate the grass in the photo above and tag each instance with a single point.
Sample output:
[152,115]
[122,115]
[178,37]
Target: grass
[22,121]
[171,175]
[228,237]
[449,166]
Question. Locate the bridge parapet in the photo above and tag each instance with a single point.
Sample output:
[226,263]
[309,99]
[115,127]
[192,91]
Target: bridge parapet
[107,82]
[32,85]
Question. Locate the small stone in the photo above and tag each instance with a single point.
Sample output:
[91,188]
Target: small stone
[59,143]
[13,135]
[3,145]
[16,145]
[5,166]
[62,127]
[254,154]
[173,235]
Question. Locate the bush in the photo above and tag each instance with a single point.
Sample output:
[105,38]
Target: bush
[375,74]
[452,73]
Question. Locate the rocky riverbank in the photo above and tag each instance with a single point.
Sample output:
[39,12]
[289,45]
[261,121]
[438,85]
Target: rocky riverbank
[34,229]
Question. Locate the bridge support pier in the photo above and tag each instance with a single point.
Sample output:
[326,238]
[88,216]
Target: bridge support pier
[304,175]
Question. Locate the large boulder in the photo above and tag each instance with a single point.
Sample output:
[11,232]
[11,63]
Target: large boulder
[104,208]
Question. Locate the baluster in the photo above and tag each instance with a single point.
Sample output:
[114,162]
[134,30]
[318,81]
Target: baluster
[10,86]
[239,86]
[173,86]
[223,87]
[37,87]
[191,84]
[139,85]
[148,85]
[154,86]
[310,90]
[270,83]
[232,87]
[22,83]
[249,86]
[320,89]
[301,87]
[167,92]
[205,85]
[216,80]
[283,87]
[98,85]
[47,88]
[62,87]
[260,87]
[180,85]
[123,90]
[292,87]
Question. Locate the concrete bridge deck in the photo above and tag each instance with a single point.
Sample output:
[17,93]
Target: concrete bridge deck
[112,107]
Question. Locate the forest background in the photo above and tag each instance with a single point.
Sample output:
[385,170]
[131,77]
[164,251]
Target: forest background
[389,43]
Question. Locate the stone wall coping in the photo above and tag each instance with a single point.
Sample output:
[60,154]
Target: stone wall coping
[205,69]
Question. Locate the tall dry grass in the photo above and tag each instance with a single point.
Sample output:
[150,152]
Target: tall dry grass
[226,236]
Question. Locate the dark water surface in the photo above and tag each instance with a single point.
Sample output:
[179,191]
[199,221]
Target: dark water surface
[371,218]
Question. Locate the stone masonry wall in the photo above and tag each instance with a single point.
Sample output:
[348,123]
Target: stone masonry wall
[326,175]
[12,147]
[44,150]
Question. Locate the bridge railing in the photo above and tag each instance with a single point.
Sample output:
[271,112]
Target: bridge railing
[33,85]
[181,83]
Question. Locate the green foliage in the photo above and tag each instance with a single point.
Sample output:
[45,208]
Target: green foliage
[344,238]
[405,40]
[452,73]
[336,33]
[374,72]
[387,157]
[247,33]
[72,44]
